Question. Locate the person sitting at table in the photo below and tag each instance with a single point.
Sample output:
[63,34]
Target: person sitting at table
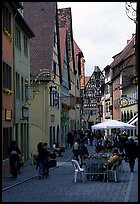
[114,158]
[99,146]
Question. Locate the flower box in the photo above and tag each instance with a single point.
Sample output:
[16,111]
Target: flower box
[8,91]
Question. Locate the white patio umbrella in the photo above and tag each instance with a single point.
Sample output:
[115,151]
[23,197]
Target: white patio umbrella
[111,124]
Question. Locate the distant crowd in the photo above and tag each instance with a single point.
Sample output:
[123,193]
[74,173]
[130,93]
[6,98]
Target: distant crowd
[78,141]
[118,143]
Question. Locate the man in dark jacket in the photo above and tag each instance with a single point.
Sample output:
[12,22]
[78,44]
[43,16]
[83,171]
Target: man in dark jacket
[46,160]
[14,152]
[131,152]
[41,159]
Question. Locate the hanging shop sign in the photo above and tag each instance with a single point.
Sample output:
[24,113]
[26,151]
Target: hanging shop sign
[124,102]
[8,114]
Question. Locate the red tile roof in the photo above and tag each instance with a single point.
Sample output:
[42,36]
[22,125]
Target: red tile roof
[128,50]
[65,21]
[41,17]
[87,78]
[76,51]
[62,34]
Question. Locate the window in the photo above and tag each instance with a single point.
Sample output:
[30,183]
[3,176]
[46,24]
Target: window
[7,75]
[77,84]
[26,93]
[25,46]
[22,137]
[22,89]
[122,117]
[97,83]
[54,68]
[16,133]
[17,38]
[7,137]
[106,89]
[107,107]
[17,86]
[54,39]
[7,19]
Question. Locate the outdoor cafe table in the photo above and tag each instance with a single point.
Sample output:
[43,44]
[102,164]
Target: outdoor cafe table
[94,166]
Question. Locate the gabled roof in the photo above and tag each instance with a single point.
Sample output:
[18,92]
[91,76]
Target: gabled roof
[77,58]
[76,48]
[87,78]
[97,69]
[41,17]
[91,78]
[21,21]
[128,50]
[16,4]
[65,21]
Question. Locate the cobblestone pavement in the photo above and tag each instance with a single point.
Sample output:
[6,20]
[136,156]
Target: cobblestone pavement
[60,186]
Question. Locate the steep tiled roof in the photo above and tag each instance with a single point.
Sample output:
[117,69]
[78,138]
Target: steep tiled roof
[62,34]
[87,78]
[126,52]
[76,51]
[76,47]
[41,17]
[20,20]
[97,69]
[77,57]
[65,21]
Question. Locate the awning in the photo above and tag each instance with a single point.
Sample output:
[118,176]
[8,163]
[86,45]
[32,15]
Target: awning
[111,124]
[134,121]
[135,118]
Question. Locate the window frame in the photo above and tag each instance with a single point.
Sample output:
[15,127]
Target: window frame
[7,19]
[7,76]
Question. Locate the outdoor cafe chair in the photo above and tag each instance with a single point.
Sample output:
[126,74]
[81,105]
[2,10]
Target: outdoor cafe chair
[120,166]
[94,167]
[77,169]
[112,173]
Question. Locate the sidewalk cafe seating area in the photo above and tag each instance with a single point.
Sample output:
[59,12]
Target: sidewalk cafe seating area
[94,168]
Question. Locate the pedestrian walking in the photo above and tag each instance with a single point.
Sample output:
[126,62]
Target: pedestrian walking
[46,161]
[83,151]
[41,160]
[125,138]
[90,136]
[76,150]
[120,142]
[131,152]
[70,139]
[14,152]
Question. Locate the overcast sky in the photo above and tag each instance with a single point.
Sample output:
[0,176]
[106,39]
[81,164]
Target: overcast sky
[101,30]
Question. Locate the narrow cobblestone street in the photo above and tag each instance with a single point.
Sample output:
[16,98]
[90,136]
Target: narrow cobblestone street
[60,186]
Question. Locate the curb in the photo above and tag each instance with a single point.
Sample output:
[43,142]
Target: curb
[25,180]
